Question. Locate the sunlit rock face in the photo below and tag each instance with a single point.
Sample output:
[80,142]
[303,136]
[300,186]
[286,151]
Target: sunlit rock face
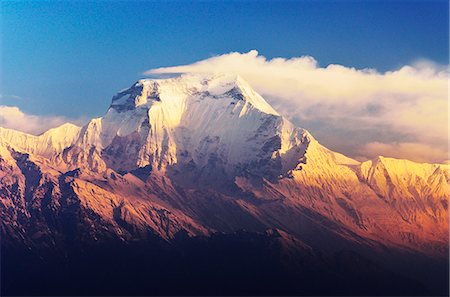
[201,154]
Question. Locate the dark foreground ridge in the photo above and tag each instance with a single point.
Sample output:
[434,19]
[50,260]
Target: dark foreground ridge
[241,263]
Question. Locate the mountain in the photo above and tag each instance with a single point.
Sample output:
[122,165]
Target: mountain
[195,160]
[49,143]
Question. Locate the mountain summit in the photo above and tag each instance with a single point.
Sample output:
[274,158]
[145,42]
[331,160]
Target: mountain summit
[199,155]
[198,122]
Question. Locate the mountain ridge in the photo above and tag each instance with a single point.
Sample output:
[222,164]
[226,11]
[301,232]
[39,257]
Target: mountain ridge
[195,156]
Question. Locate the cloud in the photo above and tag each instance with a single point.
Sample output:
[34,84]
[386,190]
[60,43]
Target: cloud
[5,96]
[13,118]
[346,108]
[405,150]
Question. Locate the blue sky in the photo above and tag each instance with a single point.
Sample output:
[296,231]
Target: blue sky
[69,58]
[63,61]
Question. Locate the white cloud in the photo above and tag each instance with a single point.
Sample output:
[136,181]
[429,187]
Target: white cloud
[356,106]
[13,118]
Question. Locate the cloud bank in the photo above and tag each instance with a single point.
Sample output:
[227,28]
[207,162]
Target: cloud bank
[359,112]
[13,118]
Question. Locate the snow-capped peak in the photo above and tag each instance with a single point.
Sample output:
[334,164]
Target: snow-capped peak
[219,86]
[195,119]
[49,143]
